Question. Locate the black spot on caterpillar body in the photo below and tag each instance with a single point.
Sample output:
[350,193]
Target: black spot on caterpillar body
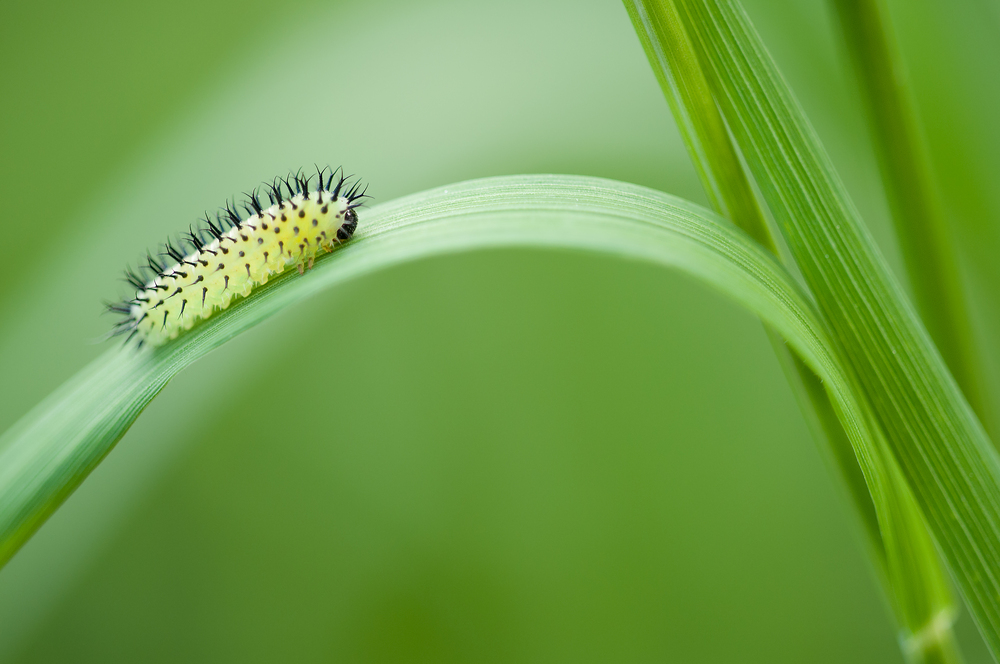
[331,204]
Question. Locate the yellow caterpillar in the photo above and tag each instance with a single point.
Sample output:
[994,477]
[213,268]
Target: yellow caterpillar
[222,264]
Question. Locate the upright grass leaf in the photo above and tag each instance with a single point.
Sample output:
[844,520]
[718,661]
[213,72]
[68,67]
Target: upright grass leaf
[676,67]
[921,225]
[675,64]
[909,569]
[52,449]
[946,456]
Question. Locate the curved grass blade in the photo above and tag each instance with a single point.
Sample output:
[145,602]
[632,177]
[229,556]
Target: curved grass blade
[53,448]
[946,456]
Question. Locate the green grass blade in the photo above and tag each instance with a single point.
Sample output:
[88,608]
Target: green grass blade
[946,456]
[676,67]
[675,64]
[916,585]
[52,449]
[926,243]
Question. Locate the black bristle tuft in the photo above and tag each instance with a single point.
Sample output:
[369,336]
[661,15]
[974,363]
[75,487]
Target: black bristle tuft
[354,196]
[232,217]
[333,174]
[252,199]
[154,265]
[352,192]
[194,240]
[340,184]
[216,231]
[170,250]
[134,279]
[275,192]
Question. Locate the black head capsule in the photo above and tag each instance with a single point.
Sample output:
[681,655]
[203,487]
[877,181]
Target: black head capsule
[346,230]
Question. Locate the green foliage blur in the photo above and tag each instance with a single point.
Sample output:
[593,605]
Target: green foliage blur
[503,456]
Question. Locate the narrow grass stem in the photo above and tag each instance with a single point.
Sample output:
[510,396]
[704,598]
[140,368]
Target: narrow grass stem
[911,189]
[686,89]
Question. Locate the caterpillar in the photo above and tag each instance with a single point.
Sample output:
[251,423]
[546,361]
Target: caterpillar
[208,266]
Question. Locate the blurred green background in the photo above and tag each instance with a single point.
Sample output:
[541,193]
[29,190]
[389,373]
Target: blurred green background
[503,456]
